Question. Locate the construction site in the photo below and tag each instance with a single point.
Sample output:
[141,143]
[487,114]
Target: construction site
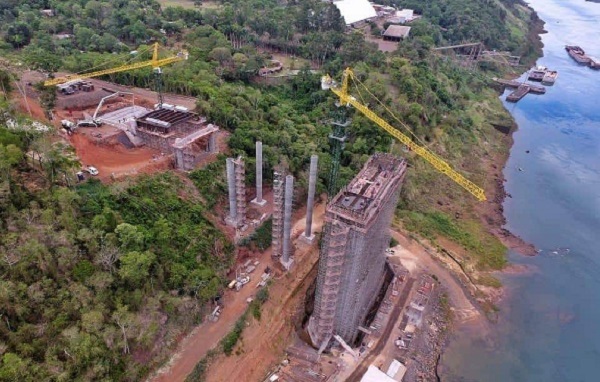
[342,305]
[345,307]
[122,130]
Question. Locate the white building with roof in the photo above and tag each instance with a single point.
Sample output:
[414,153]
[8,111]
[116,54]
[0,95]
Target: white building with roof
[373,374]
[395,373]
[403,16]
[355,11]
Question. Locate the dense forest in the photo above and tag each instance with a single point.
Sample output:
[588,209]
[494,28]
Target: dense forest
[91,274]
[99,280]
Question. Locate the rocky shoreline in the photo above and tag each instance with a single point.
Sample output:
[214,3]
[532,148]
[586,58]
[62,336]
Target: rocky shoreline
[492,213]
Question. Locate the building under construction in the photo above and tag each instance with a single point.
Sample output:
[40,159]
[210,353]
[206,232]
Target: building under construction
[352,259]
[174,130]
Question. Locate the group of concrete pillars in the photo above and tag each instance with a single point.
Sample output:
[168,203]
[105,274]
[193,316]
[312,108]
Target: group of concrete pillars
[282,208]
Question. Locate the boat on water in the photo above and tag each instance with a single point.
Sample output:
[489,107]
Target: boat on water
[594,63]
[577,54]
[550,77]
[538,73]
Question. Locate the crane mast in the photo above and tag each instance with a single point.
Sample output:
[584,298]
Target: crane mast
[439,164]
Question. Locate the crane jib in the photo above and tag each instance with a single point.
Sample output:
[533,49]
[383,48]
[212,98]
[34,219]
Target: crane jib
[155,63]
[434,160]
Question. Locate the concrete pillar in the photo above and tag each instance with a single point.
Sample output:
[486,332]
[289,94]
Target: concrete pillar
[212,143]
[179,159]
[240,187]
[232,218]
[312,182]
[287,222]
[259,169]
[277,230]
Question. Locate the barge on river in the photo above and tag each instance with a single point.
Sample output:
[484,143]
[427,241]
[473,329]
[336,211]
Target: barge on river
[522,89]
[578,54]
[549,78]
[537,74]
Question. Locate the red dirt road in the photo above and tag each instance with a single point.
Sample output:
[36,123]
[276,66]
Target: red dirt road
[114,157]
[207,335]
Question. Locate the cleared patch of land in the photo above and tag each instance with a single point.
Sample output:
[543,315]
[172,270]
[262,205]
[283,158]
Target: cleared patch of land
[189,4]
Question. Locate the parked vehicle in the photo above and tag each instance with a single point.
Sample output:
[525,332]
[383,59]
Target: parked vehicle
[91,170]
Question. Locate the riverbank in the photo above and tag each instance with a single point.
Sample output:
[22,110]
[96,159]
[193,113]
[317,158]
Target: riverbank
[543,331]
[492,213]
[476,307]
[492,217]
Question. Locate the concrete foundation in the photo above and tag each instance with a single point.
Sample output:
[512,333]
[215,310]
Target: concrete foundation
[195,147]
[352,258]
[287,265]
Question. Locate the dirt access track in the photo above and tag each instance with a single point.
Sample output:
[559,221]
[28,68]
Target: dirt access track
[87,99]
[263,342]
[112,159]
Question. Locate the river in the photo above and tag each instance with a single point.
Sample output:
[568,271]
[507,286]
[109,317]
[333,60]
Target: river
[549,324]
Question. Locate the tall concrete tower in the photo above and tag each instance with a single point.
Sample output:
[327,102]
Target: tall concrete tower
[352,259]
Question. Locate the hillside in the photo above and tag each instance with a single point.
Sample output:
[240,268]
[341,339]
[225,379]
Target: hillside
[100,280]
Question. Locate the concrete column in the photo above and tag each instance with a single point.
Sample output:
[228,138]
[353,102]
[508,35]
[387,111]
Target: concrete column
[240,187]
[287,222]
[212,143]
[312,182]
[179,159]
[232,218]
[277,231]
[259,172]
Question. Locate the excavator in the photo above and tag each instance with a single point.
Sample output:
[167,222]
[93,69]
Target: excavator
[345,99]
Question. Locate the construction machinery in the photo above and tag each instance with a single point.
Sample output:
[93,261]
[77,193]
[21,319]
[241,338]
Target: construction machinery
[93,121]
[345,99]
[155,63]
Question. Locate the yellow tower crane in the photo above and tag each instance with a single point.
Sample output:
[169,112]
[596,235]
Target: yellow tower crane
[155,63]
[439,164]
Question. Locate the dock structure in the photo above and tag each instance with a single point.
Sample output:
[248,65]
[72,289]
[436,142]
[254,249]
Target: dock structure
[352,258]
[518,94]
[522,89]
